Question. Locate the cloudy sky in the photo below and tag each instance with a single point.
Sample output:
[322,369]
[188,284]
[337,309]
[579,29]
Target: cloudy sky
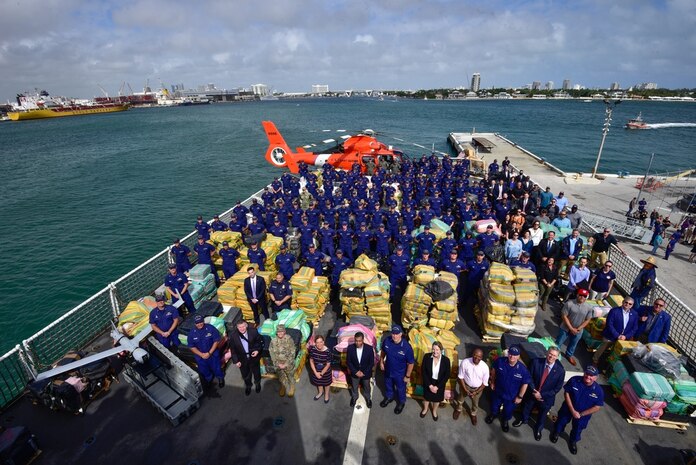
[70,46]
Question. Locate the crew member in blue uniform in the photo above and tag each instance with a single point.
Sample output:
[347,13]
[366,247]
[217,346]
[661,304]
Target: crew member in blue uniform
[363,238]
[382,240]
[345,240]
[280,293]
[205,253]
[202,227]
[338,263]
[404,239]
[326,239]
[424,259]
[177,284]
[241,212]
[396,361]
[181,255]
[453,265]
[398,273]
[487,239]
[257,255]
[313,259]
[426,215]
[446,245]
[475,268]
[524,262]
[426,239]
[277,229]
[583,397]
[509,380]
[203,340]
[255,227]
[218,225]
[229,260]
[236,224]
[467,244]
[164,319]
[285,261]
[307,233]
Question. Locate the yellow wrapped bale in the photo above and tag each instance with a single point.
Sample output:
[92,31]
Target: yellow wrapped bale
[524,298]
[442,324]
[227,293]
[423,274]
[500,273]
[450,278]
[353,277]
[524,275]
[134,318]
[496,308]
[365,263]
[502,293]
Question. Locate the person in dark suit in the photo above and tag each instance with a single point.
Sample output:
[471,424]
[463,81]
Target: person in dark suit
[246,344]
[526,204]
[360,359]
[435,371]
[498,190]
[547,381]
[255,290]
[548,247]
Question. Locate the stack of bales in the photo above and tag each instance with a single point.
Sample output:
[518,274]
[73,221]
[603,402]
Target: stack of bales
[234,239]
[234,287]
[270,245]
[443,314]
[354,281]
[202,285]
[377,301]
[508,301]
[422,340]
[310,293]
[415,303]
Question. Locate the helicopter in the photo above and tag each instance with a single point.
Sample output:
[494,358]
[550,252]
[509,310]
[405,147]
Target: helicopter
[363,149]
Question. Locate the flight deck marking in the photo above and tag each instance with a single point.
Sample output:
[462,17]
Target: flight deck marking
[358,432]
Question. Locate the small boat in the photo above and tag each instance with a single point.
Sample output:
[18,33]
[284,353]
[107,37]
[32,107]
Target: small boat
[637,123]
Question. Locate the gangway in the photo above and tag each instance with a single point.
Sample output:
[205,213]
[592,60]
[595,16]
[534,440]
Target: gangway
[633,231]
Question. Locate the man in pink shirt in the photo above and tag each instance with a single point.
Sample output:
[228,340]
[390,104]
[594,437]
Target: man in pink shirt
[472,379]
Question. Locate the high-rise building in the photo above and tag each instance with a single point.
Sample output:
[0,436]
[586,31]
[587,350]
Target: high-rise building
[259,89]
[615,86]
[475,82]
[320,89]
[536,85]
[550,85]
[566,84]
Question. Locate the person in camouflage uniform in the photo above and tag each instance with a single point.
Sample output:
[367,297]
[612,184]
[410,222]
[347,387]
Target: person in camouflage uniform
[282,351]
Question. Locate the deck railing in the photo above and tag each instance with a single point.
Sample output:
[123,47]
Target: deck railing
[683,330]
[84,323]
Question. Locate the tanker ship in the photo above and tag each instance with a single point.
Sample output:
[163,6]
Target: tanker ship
[41,105]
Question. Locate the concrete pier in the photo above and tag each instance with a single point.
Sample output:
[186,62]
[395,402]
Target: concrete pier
[608,196]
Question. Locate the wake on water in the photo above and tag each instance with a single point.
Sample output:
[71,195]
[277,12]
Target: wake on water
[671,125]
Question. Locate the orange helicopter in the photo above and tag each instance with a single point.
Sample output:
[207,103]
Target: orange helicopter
[363,149]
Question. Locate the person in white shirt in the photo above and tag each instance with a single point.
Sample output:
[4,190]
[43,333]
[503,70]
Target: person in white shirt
[472,379]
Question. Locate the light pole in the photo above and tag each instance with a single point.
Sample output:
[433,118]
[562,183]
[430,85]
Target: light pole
[610,105]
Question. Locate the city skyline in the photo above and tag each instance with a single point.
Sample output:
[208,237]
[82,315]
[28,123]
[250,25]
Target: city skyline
[72,47]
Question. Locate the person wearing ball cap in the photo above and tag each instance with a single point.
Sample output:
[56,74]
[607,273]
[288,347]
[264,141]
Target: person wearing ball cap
[583,397]
[203,340]
[177,284]
[202,228]
[164,319]
[285,261]
[509,380]
[575,315]
[645,281]
[181,255]
[397,362]
[424,259]
[229,259]
[426,239]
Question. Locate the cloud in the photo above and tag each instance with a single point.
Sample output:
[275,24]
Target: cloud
[68,46]
[364,39]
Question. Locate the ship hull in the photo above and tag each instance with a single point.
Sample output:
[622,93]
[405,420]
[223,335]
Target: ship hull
[60,112]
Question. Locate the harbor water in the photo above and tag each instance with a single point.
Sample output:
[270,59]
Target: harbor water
[84,200]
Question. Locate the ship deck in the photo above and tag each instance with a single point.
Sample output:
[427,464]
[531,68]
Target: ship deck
[264,428]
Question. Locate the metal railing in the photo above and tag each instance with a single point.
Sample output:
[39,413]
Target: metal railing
[13,376]
[683,330]
[84,323]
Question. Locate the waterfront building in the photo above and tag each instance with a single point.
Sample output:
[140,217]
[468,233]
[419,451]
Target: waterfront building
[615,86]
[320,89]
[550,85]
[475,82]
[259,89]
[536,85]
[566,84]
